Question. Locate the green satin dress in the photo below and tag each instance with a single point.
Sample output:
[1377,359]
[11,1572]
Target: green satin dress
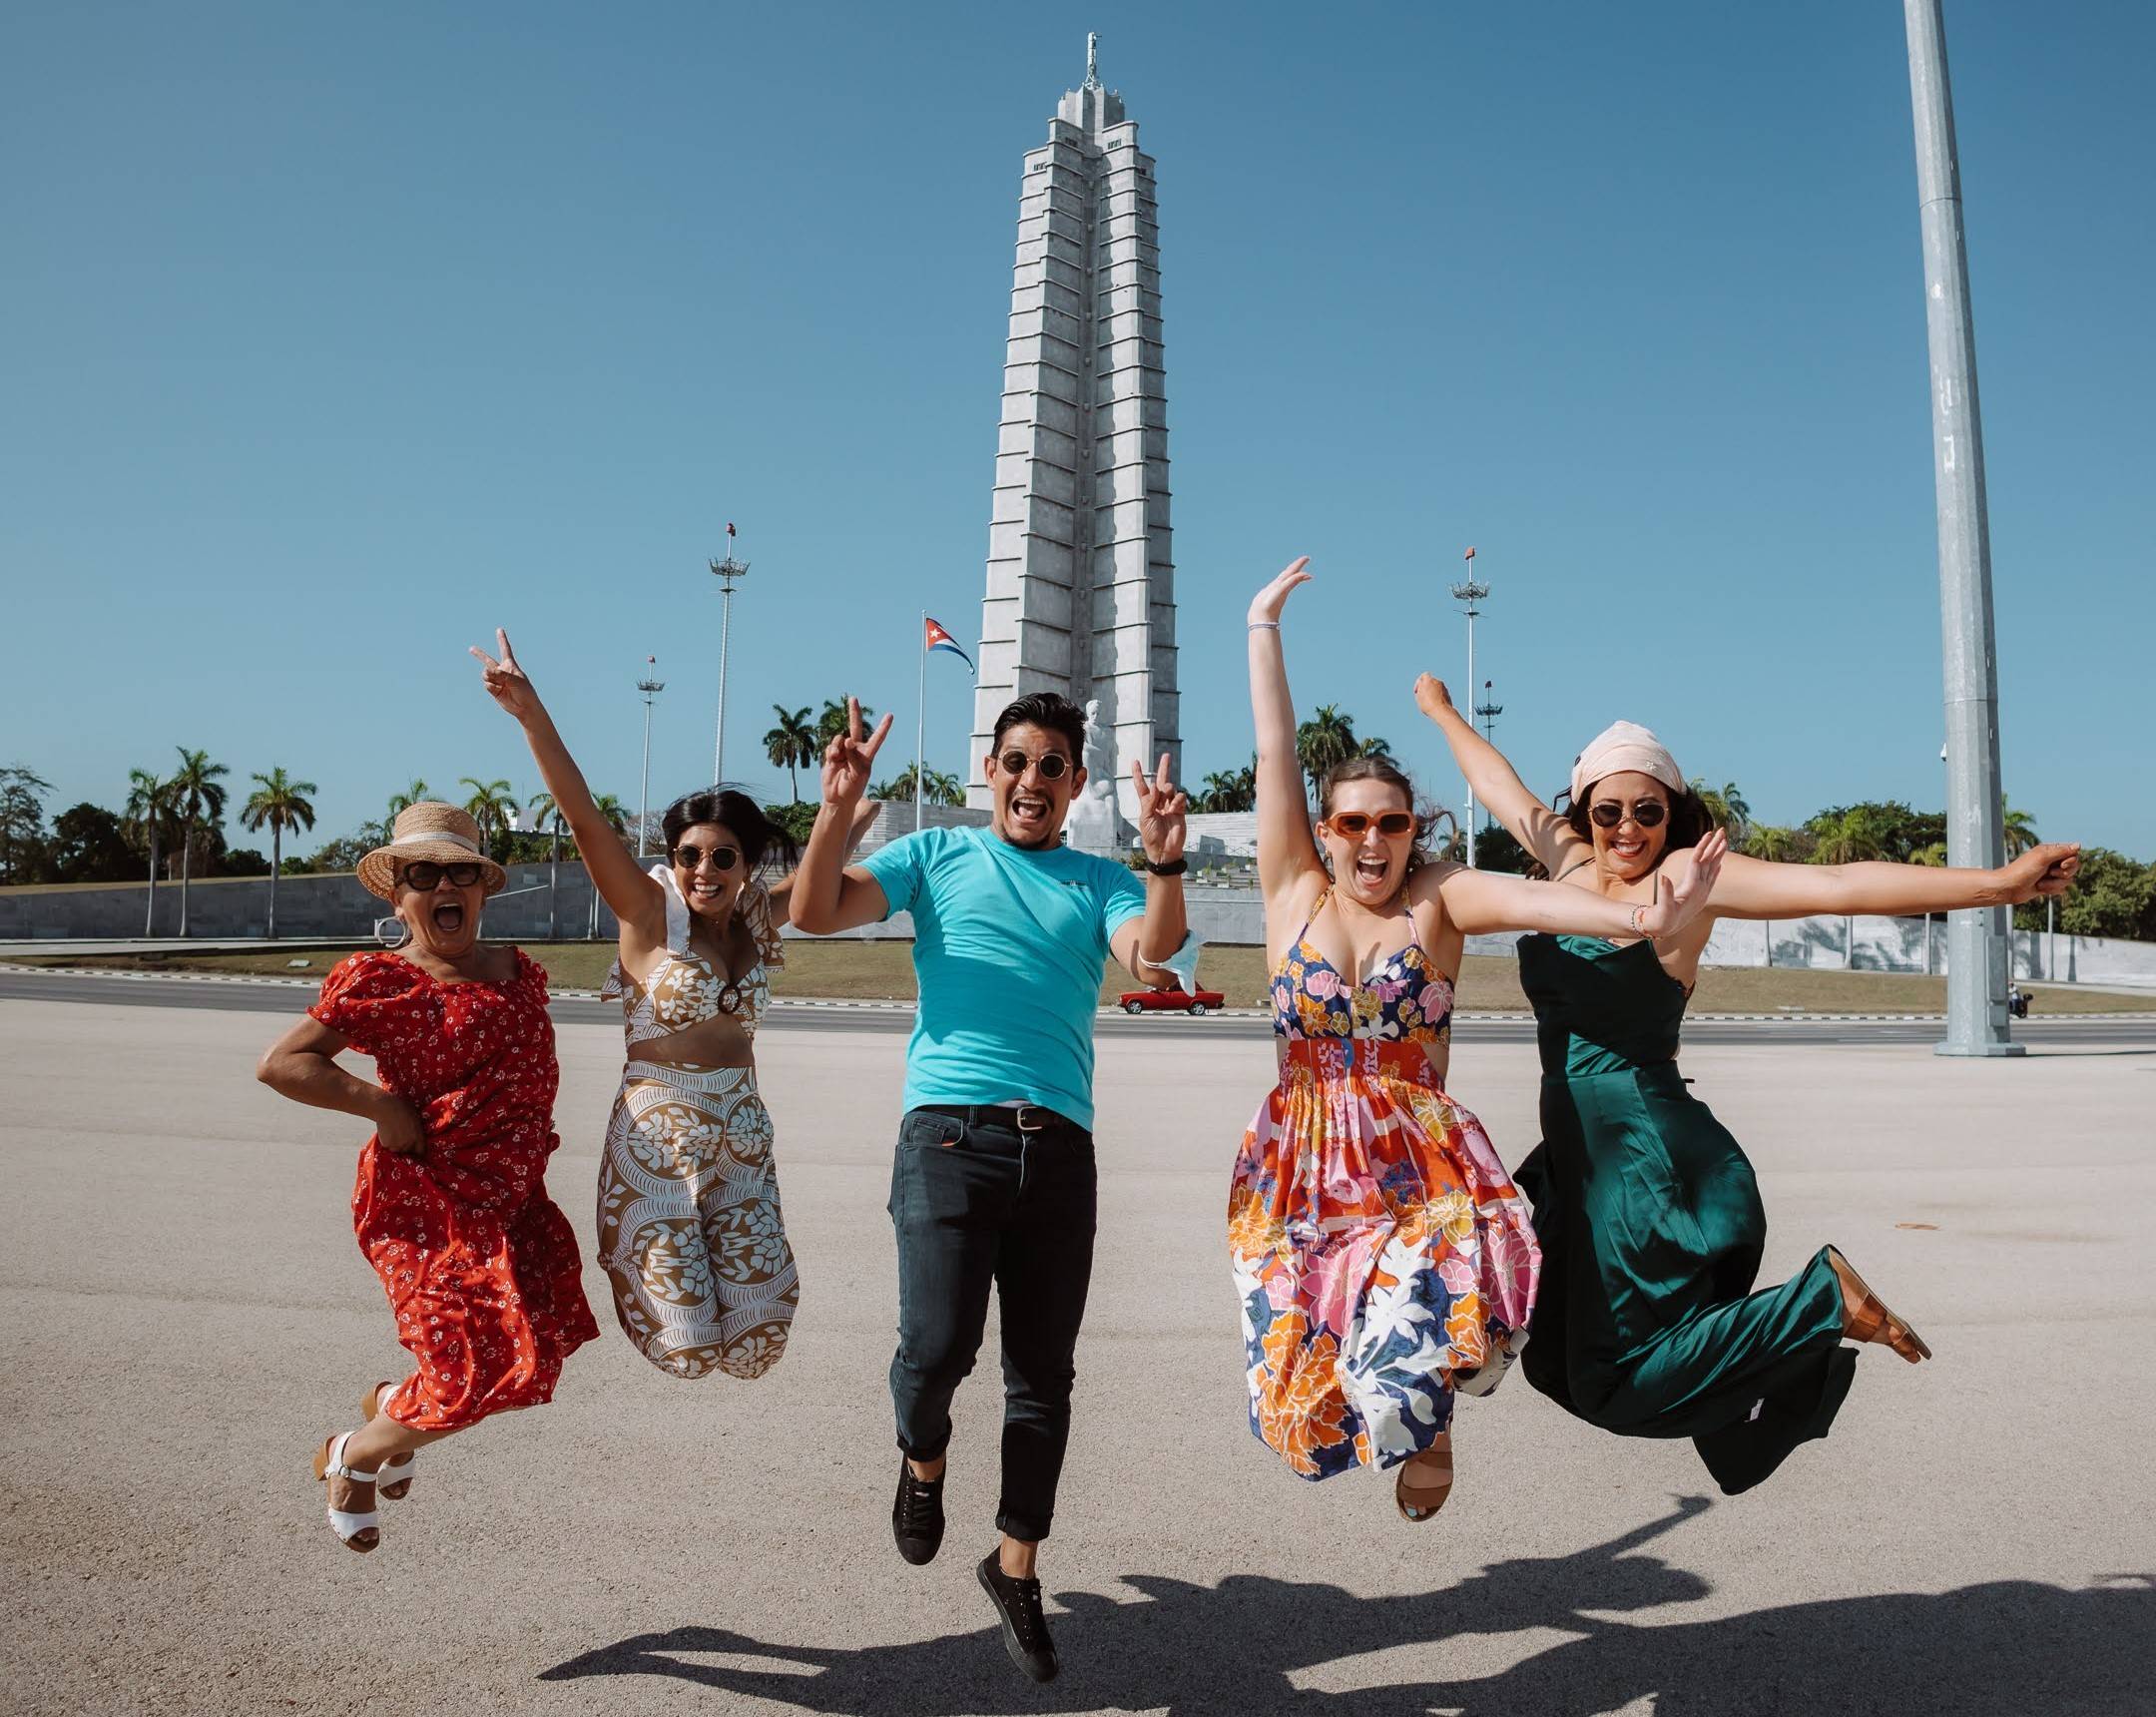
[1651,1228]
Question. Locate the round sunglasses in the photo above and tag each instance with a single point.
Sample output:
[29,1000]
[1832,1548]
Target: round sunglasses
[688,856]
[1357,823]
[1607,813]
[425,876]
[1053,766]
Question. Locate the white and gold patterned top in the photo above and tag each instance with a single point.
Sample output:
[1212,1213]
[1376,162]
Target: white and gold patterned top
[683,989]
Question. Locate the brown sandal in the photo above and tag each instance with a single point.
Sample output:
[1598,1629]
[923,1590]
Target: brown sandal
[1873,1320]
[393,1482]
[1418,1513]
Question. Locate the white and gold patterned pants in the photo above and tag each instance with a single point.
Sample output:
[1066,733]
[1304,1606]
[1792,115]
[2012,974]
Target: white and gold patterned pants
[689,1231]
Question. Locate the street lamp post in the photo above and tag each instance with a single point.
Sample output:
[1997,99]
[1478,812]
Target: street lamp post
[729,572]
[1976,945]
[1489,709]
[1469,593]
[651,686]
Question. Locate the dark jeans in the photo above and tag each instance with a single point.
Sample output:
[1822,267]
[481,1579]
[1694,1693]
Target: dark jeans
[985,1195]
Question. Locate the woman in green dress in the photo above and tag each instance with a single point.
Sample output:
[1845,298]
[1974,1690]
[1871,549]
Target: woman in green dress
[1648,1217]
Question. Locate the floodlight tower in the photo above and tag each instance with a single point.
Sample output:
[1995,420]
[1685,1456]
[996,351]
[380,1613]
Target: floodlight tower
[729,573]
[1470,594]
[651,686]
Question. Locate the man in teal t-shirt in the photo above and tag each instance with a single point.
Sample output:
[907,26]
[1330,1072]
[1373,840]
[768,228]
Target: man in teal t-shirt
[995,1181]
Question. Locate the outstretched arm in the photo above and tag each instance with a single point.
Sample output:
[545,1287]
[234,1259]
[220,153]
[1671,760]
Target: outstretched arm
[1286,850]
[827,895]
[1760,889]
[1480,902]
[1497,785]
[633,897]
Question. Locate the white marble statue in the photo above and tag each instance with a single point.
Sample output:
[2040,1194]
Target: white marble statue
[1094,824]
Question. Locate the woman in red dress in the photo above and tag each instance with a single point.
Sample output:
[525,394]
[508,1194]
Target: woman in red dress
[481,1266]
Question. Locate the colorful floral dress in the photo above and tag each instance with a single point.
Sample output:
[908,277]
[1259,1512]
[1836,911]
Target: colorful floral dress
[481,1266]
[690,1230]
[1382,1254]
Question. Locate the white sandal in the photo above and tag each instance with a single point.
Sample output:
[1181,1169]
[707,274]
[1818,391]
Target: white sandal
[390,1473]
[347,1524]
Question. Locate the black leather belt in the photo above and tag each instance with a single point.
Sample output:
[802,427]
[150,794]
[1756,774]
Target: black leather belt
[1023,1118]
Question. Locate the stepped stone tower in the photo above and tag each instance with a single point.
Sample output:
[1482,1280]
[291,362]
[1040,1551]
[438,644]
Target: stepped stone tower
[1081,575]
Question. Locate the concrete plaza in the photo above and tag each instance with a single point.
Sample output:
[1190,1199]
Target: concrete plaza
[187,1316]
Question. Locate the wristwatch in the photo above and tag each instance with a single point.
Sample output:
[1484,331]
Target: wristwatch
[1174,867]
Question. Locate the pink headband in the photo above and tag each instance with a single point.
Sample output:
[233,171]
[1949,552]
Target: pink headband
[1620,747]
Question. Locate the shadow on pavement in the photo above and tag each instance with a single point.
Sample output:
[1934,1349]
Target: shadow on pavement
[1243,1646]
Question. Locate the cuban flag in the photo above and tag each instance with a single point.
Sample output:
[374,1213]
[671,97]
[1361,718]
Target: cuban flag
[938,639]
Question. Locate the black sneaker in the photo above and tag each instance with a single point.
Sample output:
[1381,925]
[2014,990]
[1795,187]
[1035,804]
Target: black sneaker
[916,1516]
[1025,1630]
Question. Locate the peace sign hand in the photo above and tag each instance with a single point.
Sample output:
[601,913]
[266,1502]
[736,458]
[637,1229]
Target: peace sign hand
[849,760]
[1162,811]
[506,681]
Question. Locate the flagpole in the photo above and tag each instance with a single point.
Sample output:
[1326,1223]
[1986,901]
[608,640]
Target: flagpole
[920,728]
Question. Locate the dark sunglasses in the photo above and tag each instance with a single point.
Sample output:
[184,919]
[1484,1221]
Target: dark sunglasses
[1357,823]
[1053,766]
[425,876]
[688,857]
[1647,813]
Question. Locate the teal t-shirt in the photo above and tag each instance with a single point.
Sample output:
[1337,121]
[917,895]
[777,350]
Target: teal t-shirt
[1008,945]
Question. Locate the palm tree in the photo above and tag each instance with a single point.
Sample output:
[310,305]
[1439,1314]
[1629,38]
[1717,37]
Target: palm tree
[278,803]
[1935,853]
[1771,841]
[1846,840]
[2020,829]
[1726,805]
[792,745]
[400,802]
[148,812]
[489,805]
[195,794]
[1224,790]
[831,721]
[613,812]
[1328,738]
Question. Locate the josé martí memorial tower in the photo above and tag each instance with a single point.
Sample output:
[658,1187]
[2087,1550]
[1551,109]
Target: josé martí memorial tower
[1081,575]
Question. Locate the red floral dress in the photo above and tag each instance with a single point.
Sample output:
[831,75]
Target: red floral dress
[481,1266]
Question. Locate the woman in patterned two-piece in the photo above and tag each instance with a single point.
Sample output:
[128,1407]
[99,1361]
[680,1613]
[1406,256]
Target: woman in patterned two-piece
[1382,1256]
[690,1230]
[450,1208]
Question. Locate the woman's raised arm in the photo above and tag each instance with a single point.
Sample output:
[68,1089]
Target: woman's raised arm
[1480,902]
[1286,850]
[1545,835]
[631,894]
[1764,888]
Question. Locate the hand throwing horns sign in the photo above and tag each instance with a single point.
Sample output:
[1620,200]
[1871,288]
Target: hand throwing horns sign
[1162,810]
[849,760]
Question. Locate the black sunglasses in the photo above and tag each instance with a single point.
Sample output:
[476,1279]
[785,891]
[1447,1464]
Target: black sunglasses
[1053,766]
[1647,813]
[425,876]
[688,856]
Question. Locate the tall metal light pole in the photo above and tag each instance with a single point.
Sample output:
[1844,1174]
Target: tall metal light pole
[1469,593]
[651,686]
[1489,709]
[1976,944]
[729,572]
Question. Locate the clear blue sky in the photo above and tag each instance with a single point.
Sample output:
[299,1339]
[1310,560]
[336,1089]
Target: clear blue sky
[333,337]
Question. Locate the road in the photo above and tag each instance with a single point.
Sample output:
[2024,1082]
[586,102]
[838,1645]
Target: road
[254,995]
[184,1316]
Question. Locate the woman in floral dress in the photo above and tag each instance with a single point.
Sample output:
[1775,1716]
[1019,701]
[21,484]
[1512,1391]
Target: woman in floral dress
[1382,1254]
[450,1207]
[690,1234]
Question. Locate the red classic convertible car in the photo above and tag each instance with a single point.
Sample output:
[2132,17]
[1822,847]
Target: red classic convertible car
[1172,1001]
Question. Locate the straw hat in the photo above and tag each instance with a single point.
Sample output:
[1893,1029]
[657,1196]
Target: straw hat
[429,830]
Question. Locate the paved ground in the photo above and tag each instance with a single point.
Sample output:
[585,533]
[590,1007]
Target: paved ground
[186,1315]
